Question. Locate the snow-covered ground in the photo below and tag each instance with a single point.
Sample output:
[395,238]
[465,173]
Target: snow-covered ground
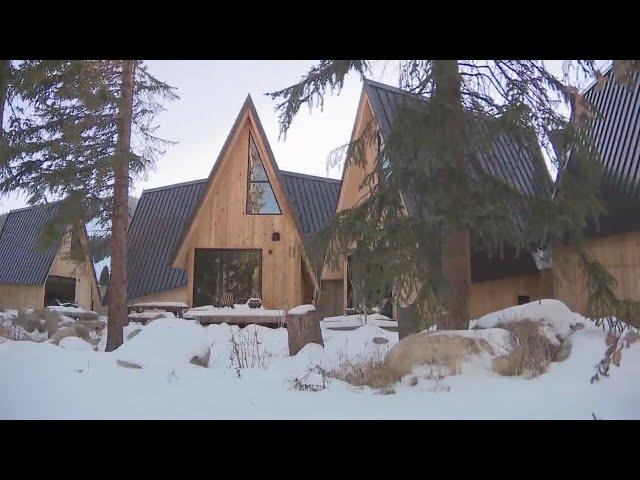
[248,375]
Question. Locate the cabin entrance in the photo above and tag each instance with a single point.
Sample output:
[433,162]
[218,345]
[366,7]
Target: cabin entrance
[233,273]
[59,290]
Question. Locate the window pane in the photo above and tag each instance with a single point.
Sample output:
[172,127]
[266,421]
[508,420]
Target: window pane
[260,199]
[216,272]
[256,169]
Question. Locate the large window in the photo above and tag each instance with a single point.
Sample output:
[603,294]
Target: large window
[220,271]
[260,197]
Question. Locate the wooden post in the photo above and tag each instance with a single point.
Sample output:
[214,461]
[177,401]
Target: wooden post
[303,329]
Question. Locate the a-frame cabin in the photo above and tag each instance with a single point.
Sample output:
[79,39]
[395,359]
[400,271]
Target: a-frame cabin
[33,277]
[240,231]
[496,282]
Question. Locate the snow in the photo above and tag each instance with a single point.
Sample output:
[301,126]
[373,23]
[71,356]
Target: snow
[74,343]
[165,342]
[240,309]
[302,309]
[69,310]
[552,314]
[160,304]
[85,384]
[358,320]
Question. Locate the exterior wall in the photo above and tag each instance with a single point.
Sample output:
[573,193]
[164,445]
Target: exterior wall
[619,254]
[222,222]
[495,295]
[86,294]
[351,192]
[173,295]
[21,296]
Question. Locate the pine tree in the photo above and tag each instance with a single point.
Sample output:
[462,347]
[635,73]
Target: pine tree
[68,139]
[104,276]
[119,221]
[456,109]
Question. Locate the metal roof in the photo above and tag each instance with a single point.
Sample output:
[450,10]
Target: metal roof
[615,132]
[314,200]
[517,163]
[163,214]
[21,259]
[615,129]
[156,228]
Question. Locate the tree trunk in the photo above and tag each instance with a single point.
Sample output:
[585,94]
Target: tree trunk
[456,257]
[119,221]
[303,329]
[4,83]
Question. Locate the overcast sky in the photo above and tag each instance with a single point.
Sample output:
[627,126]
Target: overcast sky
[211,94]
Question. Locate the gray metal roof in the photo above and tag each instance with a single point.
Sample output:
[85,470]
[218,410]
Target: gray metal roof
[156,228]
[21,259]
[314,200]
[616,132]
[517,163]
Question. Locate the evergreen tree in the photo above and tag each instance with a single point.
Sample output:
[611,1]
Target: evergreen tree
[456,110]
[68,138]
[104,276]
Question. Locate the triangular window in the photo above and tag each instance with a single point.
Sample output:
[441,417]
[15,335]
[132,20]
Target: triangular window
[260,197]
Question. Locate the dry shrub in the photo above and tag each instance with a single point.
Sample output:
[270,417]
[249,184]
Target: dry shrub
[14,332]
[531,354]
[247,351]
[368,371]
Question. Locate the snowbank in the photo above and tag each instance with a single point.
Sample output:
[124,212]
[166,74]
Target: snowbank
[552,314]
[302,309]
[74,343]
[165,342]
[358,320]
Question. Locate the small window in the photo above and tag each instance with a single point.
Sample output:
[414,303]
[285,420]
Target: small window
[260,197]
[522,299]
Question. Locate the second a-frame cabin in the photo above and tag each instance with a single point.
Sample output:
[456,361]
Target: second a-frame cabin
[33,275]
[497,282]
[241,231]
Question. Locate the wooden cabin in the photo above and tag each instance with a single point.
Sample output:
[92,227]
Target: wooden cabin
[242,230]
[31,277]
[615,241]
[496,282]
[502,282]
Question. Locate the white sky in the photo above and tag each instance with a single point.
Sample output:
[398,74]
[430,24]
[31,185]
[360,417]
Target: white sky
[211,94]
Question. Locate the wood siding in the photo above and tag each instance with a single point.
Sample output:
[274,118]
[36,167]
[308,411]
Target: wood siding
[619,254]
[495,295]
[21,296]
[222,222]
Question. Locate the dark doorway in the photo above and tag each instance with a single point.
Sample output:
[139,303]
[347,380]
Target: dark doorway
[62,289]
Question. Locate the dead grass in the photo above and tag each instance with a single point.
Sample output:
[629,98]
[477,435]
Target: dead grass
[531,354]
[370,371]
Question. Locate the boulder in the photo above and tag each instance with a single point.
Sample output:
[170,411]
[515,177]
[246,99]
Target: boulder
[77,330]
[445,350]
[133,333]
[202,360]
[30,320]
